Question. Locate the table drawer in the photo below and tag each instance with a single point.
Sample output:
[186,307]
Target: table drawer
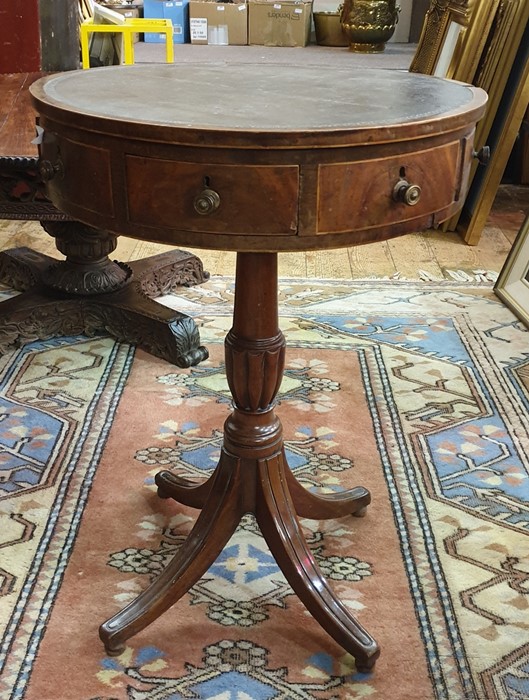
[360,194]
[249,199]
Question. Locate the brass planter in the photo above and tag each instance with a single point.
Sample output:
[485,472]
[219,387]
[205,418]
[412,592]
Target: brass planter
[369,24]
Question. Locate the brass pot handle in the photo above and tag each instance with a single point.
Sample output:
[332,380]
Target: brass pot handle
[206,202]
[48,170]
[406,193]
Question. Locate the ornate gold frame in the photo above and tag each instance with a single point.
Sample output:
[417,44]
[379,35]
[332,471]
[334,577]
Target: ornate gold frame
[504,73]
[453,38]
[512,286]
[441,17]
[489,38]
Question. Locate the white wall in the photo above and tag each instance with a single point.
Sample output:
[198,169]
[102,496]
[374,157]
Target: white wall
[402,30]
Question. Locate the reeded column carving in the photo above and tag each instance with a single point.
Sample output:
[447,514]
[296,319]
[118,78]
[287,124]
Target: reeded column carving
[255,358]
[255,347]
[254,370]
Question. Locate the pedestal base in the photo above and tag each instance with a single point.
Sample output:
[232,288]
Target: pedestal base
[126,311]
[252,476]
[267,488]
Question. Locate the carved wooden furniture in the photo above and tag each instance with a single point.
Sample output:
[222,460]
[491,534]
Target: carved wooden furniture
[87,292]
[259,159]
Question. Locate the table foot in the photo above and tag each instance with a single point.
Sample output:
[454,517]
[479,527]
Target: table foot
[279,524]
[307,504]
[212,530]
[189,493]
[324,506]
[128,313]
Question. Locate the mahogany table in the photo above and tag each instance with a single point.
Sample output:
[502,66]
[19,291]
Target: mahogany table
[257,159]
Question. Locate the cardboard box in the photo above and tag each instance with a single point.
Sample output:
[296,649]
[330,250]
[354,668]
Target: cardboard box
[218,23]
[285,23]
[175,10]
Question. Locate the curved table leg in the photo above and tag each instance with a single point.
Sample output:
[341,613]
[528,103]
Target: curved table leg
[212,530]
[323,506]
[280,527]
[189,493]
[308,505]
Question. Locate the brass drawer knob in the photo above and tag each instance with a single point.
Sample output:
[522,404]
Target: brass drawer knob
[406,193]
[206,202]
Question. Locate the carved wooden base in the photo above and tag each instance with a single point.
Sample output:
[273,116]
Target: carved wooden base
[252,476]
[22,194]
[101,296]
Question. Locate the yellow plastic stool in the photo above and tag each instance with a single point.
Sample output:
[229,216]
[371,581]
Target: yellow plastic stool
[129,27]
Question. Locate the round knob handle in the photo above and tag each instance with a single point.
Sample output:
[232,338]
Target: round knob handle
[406,193]
[206,202]
[48,170]
[483,155]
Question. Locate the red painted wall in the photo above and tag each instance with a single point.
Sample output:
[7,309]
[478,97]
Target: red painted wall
[19,36]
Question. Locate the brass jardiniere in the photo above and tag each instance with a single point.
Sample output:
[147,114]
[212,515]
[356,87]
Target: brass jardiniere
[369,24]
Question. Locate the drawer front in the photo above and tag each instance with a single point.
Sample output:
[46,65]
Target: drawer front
[93,191]
[249,199]
[360,195]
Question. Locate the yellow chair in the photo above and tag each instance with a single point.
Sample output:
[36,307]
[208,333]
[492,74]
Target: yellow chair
[127,29]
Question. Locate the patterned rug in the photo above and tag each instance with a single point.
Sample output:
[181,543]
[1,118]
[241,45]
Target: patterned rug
[418,391]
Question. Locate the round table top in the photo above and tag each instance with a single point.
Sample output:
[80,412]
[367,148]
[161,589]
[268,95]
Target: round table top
[274,157]
[252,99]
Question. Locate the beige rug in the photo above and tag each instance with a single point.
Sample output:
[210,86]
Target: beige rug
[420,392]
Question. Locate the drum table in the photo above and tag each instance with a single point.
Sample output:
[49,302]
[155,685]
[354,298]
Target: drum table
[258,159]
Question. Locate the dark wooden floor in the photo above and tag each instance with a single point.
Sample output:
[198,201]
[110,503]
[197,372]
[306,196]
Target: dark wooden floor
[17,117]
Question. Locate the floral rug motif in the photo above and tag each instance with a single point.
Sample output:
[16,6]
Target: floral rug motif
[418,391]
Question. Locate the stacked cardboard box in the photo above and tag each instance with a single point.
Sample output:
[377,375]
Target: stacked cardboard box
[284,23]
[175,10]
[219,23]
[234,22]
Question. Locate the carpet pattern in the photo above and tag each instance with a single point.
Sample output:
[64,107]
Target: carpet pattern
[418,391]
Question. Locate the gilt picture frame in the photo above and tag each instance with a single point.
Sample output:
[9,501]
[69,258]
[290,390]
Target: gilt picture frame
[486,49]
[508,99]
[441,37]
[512,285]
[454,37]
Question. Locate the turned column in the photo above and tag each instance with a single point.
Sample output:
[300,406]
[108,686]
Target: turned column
[255,358]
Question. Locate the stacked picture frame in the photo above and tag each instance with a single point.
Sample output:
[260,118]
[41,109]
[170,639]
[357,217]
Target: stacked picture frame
[86,10]
[486,43]
[512,285]
[452,39]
